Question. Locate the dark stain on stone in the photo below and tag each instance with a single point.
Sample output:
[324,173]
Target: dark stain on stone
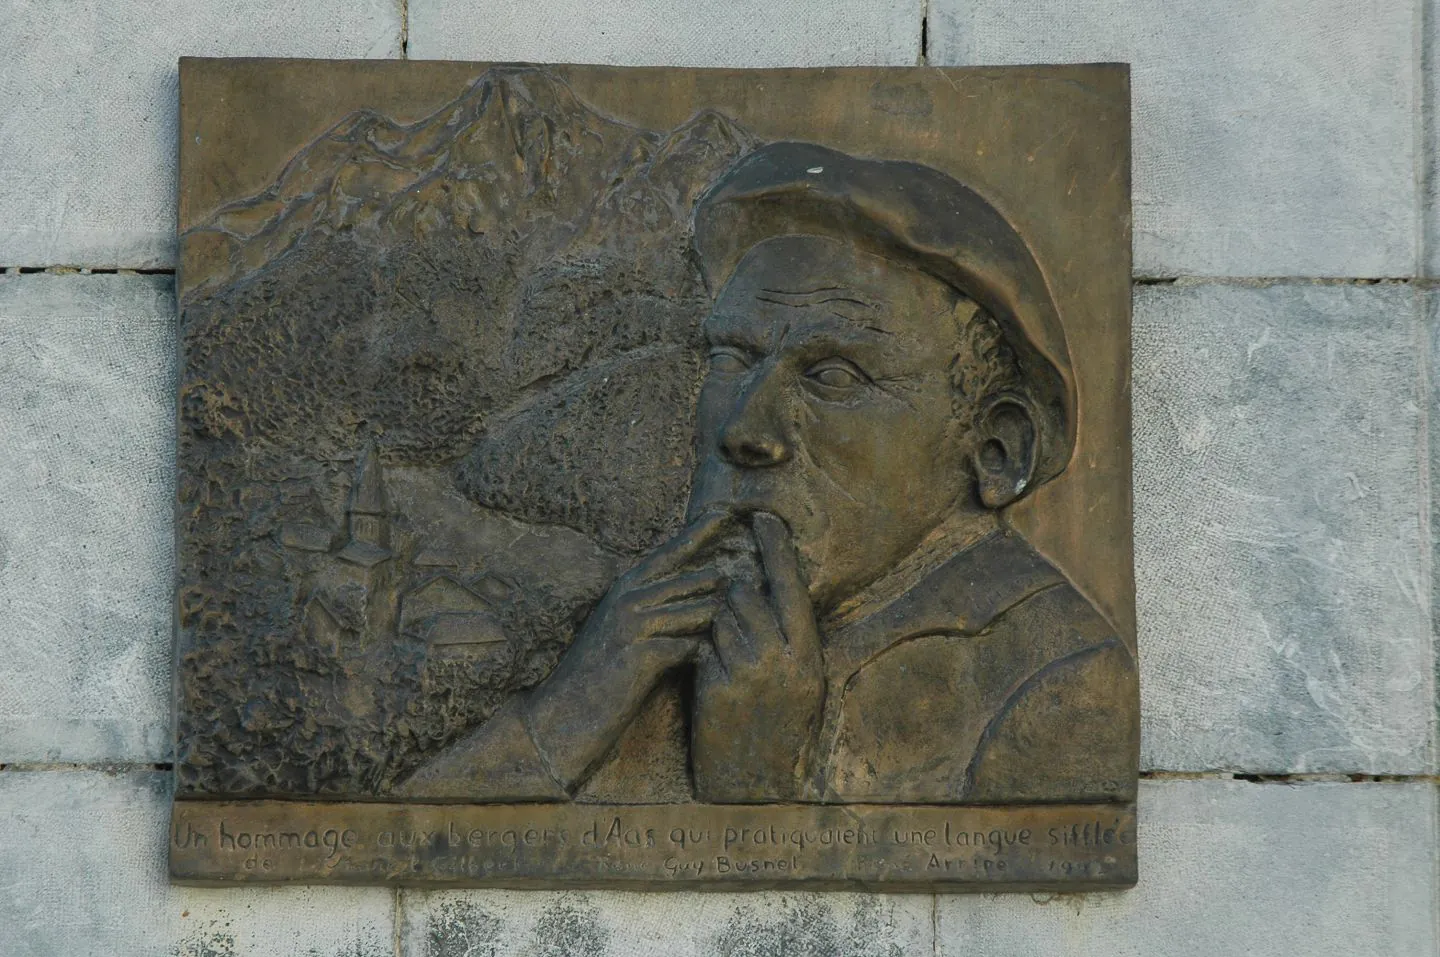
[459,928]
[808,927]
[571,927]
[206,943]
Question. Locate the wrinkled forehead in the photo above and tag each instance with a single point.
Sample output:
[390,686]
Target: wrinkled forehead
[822,276]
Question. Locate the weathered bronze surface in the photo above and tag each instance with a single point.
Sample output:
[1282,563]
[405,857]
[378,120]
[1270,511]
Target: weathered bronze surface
[702,451]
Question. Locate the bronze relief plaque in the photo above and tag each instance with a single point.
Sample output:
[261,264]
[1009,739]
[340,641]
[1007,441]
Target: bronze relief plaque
[655,478]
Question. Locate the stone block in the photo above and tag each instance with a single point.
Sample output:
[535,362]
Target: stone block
[1430,170]
[1270,139]
[612,924]
[1281,555]
[1431,301]
[744,33]
[87,453]
[88,132]
[83,858]
[1324,870]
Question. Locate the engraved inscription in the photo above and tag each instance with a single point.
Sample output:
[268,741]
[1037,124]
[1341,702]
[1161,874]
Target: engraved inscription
[655,846]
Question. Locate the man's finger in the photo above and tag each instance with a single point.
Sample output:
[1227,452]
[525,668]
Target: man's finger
[681,586]
[755,618]
[731,641]
[681,618]
[675,650]
[693,539]
[787,585]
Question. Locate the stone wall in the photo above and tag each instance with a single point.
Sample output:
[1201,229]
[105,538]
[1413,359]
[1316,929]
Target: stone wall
[1287,235]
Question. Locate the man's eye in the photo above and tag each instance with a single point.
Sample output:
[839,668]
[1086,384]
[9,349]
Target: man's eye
[728,360]
[836,374]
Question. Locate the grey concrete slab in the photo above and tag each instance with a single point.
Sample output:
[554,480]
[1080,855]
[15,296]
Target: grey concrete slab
[82,856]
[740,33]
[88,129]
[1270,139]
[612,924]
[87,451]
[1281,547]
[1320,870]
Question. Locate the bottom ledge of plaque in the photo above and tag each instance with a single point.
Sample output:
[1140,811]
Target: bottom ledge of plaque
[878,847]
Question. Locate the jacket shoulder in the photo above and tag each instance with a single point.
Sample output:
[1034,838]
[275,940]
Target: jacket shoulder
[1070,730]
[1038,705]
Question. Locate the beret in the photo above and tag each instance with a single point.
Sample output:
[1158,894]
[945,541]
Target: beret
[916,216]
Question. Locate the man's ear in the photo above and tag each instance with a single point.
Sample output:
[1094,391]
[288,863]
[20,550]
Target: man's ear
[1006,452]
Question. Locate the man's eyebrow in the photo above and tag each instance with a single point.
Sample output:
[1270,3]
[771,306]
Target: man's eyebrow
[844,333]
[815,297]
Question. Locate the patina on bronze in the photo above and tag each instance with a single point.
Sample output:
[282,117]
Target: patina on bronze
[655,477]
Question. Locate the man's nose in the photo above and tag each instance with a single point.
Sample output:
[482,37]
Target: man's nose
[755,435]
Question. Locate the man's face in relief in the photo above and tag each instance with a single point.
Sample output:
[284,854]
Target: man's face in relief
[828,401]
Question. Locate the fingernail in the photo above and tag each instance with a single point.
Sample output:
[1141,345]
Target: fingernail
[775,522]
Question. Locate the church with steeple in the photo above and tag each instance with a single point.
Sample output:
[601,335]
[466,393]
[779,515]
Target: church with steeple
[353,602]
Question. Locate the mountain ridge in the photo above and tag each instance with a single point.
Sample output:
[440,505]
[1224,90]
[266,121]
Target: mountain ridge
[517,154]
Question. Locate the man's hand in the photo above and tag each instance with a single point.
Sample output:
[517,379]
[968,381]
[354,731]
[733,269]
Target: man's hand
[655,617]
[760,689]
